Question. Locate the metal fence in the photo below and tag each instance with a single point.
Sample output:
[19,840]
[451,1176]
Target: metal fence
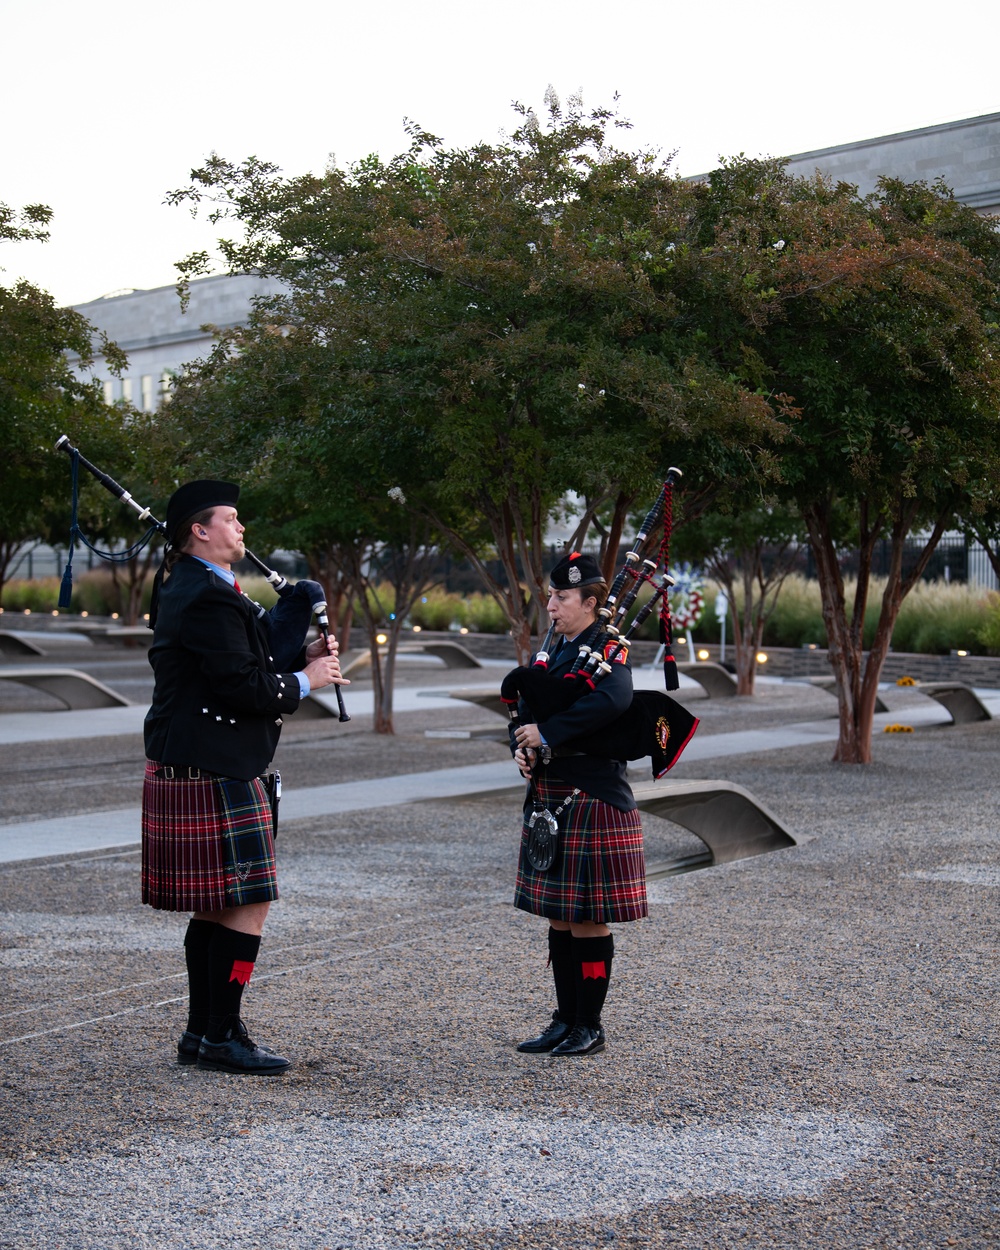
[954,560]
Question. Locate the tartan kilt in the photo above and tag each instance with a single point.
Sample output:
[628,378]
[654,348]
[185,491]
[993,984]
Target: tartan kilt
[206,844]
[600,869]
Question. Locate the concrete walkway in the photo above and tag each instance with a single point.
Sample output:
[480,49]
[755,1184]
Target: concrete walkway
[96,831]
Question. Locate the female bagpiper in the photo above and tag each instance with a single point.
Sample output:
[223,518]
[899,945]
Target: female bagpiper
[599,873]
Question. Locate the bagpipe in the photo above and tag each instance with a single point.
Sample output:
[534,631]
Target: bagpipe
[654,724]
[287,623]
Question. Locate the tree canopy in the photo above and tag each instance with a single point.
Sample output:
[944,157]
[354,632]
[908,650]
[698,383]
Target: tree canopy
[876,318]
[511,321]
[491,328]
[41,396]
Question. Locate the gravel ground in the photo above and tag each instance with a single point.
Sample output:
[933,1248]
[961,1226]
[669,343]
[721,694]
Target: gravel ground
[802,1046]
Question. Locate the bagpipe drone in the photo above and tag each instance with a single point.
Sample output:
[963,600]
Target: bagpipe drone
[287,622]
[654,724]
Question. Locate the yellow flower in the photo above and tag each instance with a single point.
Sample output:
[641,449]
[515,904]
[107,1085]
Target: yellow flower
[898,729]
[905,681]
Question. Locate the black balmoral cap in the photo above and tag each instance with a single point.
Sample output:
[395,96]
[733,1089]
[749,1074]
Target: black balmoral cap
[194,497]
[576,570]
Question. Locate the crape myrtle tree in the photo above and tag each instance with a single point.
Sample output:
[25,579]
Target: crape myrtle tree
[265,409]
[876,318]
[981,518]
[41,397]
[748,543]
[508,314]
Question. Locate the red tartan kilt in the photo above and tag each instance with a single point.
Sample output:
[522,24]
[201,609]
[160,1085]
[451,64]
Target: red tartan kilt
[206,844]
[600,870]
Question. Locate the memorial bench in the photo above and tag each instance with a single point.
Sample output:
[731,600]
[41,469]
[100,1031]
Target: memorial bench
[125,635]
[489,700]
[958,699]
[829,684]
[728,819]
[75,690]
[716,681]
[41,642]
[15,644]
[453,654]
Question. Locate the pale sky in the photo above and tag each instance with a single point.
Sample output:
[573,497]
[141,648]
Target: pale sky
[108,105]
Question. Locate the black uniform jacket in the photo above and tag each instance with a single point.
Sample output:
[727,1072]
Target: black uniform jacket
[605,779]
[218,702]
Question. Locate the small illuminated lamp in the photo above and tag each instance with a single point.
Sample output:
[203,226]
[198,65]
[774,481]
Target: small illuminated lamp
[27,611]
[812,646]
[703,654]
[55,612]
[961,653]
[464,629]
[416,629]
[682,642]
[381,639]
[86,613]
[761,657]
[145,616]
[114,616]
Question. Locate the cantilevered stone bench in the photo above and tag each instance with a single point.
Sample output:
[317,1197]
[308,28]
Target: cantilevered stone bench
[126,635]
[75,690]
[453,654]
[957,698]
[829,684]
[488,699]
[716,681]
[728,819]
[313,709]
[14,644]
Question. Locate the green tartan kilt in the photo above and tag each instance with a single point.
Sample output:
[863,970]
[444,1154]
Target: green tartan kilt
[206,843]
[600,869]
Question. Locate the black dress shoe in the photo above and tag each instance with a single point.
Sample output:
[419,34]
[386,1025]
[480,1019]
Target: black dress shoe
[187,1047]
[582,1040]
[544,1042]
[237,1053]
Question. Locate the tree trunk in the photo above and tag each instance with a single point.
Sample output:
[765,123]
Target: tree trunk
[760,594]
[858,675]
[8,550]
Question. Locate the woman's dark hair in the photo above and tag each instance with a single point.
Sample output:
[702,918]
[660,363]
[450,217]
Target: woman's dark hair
[598,591]
[183,534]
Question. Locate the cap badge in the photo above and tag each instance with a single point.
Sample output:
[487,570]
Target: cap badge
[574,575]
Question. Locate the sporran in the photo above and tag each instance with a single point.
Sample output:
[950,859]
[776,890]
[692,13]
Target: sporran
[543,839]
[543,835]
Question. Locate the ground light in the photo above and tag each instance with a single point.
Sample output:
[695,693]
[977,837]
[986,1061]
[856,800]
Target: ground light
[761,657]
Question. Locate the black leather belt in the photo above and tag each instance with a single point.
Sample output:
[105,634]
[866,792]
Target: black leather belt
[171,773]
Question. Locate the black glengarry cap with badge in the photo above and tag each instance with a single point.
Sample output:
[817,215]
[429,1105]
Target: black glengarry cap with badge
[574,571]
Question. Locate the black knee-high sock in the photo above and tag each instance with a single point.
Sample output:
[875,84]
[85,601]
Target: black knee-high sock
[563,973]
[592,967]
[232,956]
[197,941]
